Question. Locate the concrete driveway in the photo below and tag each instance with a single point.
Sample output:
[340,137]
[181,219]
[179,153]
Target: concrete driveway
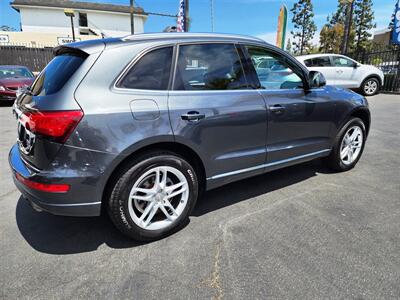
[301,232]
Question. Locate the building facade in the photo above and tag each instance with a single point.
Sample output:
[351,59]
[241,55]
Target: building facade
[44,21]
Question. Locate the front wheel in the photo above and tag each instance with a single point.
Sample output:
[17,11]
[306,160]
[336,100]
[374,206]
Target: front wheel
[370,86]
[154,196]
[348,146]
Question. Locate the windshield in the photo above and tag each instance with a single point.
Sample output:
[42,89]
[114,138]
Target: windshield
[15,72]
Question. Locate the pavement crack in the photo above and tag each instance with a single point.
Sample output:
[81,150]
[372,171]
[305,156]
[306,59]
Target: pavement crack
[215,279]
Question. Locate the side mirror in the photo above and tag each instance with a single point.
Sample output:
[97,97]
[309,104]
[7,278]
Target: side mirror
[316,79]
[356,65]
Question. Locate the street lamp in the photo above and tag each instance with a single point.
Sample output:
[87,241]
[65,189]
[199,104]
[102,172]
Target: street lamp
[70,13]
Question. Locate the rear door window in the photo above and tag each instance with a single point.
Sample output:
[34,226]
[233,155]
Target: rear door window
[151,72]
[56,74]
[323,61]
[209,67]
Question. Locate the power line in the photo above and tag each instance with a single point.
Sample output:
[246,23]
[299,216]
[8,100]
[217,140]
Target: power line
[154,13]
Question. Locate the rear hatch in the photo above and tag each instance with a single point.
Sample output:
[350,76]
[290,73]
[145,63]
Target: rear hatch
[47,112]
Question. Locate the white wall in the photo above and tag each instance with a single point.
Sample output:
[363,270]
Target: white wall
[48,20]
[45,20]
[113,24]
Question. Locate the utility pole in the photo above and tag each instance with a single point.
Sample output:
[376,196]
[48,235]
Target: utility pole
[212,15]
[132,10]
[186,15]
[347,27]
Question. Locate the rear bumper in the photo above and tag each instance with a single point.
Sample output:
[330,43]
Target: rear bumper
[81,200]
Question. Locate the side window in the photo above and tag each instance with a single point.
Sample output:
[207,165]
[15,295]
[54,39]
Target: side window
[276,74]
[308,62]
[322,61]
[209,67]
[339,61]
[151,72]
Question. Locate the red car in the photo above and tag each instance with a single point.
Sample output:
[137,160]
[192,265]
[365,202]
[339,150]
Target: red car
[13,78]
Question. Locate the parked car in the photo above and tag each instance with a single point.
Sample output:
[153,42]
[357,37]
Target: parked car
[13,78]
[342,71]
[124,125]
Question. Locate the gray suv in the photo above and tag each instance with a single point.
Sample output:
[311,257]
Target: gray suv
[140,126]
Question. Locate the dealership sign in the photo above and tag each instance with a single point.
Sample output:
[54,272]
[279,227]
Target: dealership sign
[66,40]
[396,25]
[4,38]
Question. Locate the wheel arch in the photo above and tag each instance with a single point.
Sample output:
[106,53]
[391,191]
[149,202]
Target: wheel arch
[362,113]
[178,148]
[376,76]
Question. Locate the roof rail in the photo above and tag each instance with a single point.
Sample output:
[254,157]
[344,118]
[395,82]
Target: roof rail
[187,35]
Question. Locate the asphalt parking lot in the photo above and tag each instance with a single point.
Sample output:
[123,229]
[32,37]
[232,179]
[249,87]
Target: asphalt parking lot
[300,233]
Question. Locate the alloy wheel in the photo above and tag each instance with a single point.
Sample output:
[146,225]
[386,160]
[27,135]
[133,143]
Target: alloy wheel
[351,145]
[370,87]
[158,198]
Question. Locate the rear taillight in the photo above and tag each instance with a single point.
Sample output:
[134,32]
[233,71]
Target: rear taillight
[56,125]
[44,187]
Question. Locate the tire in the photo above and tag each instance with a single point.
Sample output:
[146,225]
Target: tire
[335,160]
[127,205]
[370,86]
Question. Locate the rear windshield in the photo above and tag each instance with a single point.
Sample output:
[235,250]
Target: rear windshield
[56,74]
[14,72]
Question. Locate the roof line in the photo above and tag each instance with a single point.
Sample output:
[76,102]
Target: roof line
[145,36]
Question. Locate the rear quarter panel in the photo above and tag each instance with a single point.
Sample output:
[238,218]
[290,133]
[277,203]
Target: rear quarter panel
[108,125]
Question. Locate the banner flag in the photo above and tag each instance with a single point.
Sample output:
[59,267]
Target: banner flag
[181,25]
[282,22]
[396,25]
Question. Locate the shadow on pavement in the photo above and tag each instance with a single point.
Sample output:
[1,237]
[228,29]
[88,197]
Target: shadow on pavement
[255,186]
[67,235]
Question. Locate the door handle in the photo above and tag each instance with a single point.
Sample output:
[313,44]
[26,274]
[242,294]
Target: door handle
[277,109]
[193,116]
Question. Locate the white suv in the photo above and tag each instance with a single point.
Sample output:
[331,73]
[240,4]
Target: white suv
[342,71]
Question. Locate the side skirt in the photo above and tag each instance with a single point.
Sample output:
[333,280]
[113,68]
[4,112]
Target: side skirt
[224,178]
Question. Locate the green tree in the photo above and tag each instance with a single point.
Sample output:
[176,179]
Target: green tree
[304,26]
[363,23]
[289,46]
[340,15]
[332,35]
[329,38]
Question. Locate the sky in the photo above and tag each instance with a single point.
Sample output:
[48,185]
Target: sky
[251,17]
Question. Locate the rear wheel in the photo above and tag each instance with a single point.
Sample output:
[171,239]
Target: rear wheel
[154,196]
[348,146]
[370,86]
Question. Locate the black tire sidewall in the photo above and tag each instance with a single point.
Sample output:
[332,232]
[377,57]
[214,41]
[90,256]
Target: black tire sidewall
[118,204]
[336,161]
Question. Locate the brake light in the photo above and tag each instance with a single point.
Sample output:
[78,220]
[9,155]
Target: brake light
[51,188]
[54,124]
